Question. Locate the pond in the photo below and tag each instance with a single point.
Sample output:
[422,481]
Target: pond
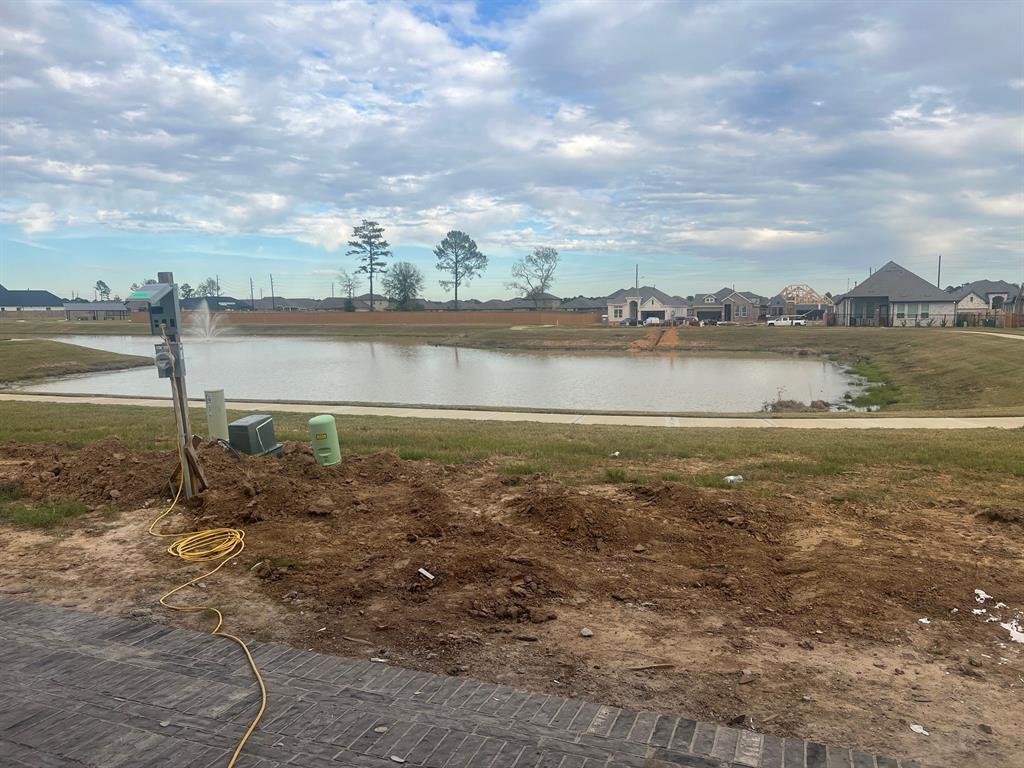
[326,369]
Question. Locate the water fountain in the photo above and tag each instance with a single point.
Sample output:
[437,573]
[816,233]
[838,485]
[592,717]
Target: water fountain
[203,323]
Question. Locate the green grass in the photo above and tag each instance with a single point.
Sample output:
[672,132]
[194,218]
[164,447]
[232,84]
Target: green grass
[616,475]
[43,514]
[39,358]
[555,449]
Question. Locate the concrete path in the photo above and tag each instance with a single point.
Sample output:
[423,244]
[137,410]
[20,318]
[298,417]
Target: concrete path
[1018,337]
[829,422]
[78,689]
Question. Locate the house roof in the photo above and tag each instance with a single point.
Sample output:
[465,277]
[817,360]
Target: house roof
[985,287]
[585,302]
[216,303]
[798,293]
[896,283]
[29,298]
[95,306]
[281,301]
[647,292]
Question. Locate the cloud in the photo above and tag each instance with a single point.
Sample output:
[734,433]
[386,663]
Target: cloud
[37,219]
[821,135]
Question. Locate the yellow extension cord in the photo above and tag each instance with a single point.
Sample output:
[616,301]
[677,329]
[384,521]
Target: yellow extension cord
[211,545]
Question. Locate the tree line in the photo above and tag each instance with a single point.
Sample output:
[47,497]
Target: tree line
[209,287]
[458,258]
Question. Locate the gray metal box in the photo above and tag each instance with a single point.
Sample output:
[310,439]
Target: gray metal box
[254,435]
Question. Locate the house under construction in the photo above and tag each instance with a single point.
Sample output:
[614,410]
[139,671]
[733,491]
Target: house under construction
[798,299]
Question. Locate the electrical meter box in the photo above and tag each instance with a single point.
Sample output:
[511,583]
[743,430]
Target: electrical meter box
[168,360]
[163,308]
[254,435]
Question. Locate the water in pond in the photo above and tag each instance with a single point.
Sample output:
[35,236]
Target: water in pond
[324,369]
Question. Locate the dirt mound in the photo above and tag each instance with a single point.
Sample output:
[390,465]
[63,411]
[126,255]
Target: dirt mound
[574,517]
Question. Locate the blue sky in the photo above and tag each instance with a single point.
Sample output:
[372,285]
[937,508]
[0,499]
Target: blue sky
[746,143]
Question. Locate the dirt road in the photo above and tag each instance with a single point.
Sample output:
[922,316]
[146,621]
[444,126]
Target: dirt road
[844,614]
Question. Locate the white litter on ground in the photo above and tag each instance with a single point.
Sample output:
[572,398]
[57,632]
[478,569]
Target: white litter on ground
[733,479]
[1016,630]
[981,596]
[919,729]
[924,621]
[978,611]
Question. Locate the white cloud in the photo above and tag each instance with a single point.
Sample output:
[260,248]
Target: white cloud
[831,134]
[37,219]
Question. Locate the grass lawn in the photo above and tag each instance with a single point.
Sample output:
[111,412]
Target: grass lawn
[917,369]
[39,358]
[565,451]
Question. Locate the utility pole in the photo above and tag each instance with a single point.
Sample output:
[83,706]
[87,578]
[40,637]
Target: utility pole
[938,280]
[252,296]
[273,304]
[217,278]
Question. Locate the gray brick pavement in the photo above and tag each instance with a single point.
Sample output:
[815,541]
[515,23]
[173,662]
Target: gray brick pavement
[78,689]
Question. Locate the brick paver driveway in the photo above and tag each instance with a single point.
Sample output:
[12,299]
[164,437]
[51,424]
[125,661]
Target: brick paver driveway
[78,689]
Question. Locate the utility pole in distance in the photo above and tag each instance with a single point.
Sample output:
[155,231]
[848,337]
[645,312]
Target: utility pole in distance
[938,279]
[252,296]
[273,304]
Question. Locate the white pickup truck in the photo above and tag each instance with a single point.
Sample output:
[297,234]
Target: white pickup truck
[786,320]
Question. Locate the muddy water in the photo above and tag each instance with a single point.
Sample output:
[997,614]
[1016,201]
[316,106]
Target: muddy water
[382,372]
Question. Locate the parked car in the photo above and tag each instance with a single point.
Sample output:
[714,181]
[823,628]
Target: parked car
[652,321]
[629,322]
[786,320]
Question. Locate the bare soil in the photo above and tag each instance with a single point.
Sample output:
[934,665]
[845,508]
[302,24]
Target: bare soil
[794,614]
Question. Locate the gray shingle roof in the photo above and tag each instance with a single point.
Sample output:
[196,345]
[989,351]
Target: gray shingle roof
[10,298]
[896,283]
[646,292]
[985,287]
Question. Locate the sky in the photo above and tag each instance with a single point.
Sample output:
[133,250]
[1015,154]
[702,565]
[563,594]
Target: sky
[753,144]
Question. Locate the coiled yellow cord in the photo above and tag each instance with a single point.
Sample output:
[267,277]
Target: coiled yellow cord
[220,545]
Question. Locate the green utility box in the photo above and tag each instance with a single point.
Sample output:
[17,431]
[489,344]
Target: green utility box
[323,431]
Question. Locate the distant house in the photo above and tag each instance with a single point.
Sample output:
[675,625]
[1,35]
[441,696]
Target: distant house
[282,304]
[894,295]
[730,306]
[984,296]
[95,310]
[29,301]
[216,303]
[799,299]
[644,303]
[584,304]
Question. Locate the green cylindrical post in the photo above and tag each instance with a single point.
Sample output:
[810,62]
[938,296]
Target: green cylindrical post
[323,431]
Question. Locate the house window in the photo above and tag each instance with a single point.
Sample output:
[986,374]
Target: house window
[709,299]
[924,311]
[617,313]
[901,311]
[912,311]
[743,310]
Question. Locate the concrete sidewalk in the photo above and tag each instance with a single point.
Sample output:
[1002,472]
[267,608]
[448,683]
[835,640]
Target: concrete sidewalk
[625,420]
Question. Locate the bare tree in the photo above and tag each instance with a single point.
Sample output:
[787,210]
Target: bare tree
[458,255]
[207,288]
[403,285]
[369,246]
[534,274]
